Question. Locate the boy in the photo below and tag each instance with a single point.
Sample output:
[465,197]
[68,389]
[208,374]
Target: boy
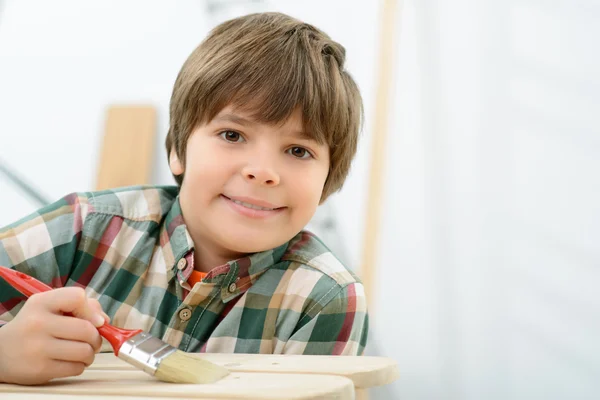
[264,123]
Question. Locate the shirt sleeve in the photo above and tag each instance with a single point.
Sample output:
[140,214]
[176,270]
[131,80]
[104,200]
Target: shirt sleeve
[339,328]
[43,245]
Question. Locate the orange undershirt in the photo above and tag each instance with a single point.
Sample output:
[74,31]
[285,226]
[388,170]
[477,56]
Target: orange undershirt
[196,277]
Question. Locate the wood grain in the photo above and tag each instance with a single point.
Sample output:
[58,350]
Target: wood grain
[364,372]
[246,386]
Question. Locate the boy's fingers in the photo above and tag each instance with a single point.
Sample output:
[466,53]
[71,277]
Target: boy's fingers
[74,329]
[67,350]
[96,307]
[63,300]
[73,300]
[64,369]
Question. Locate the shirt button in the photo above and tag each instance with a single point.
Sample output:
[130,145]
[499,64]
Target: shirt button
[185,314]
[181,264]
[232,287]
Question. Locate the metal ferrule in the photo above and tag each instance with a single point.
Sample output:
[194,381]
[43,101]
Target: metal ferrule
[145,352]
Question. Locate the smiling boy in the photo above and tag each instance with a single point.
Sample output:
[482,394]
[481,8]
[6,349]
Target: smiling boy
[264,123]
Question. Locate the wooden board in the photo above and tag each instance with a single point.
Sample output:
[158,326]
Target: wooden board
[246,386]
[50,396]
[383,111]
[128,147]
[364,372]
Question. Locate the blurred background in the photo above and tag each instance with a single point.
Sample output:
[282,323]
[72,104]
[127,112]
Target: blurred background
[488,254]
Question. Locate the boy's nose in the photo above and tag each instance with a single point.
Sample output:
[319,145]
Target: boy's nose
[261,175]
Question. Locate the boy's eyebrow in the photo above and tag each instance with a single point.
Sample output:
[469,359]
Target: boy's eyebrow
[237,119]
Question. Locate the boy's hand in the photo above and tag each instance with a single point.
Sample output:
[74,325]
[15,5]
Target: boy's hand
[41,343]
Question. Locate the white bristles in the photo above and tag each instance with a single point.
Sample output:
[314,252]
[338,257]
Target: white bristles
[180,367]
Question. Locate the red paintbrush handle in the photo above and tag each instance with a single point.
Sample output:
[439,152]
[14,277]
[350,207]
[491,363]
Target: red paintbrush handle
[30,286]
[116,336]
[23,282]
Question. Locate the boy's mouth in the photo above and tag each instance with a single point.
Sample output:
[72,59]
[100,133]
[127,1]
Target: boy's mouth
[254,204]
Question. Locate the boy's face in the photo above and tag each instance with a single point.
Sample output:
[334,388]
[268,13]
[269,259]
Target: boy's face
[249,186]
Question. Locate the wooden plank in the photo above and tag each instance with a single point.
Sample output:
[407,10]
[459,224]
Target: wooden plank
[54,396]
[128,147]
[246,386]
[368,266]
[363,371]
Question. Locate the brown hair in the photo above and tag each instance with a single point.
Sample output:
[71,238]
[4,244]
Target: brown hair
[270,64]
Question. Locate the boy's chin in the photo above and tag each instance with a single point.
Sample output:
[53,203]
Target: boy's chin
[249,245]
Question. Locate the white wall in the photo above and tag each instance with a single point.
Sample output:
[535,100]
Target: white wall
[488,260]
[509,135]
[62,63]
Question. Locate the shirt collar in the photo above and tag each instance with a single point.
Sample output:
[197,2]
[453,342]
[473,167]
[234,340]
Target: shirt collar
[243,272]
[175,240]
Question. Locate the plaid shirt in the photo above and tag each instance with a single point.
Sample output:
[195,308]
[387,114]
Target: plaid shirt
[130,249]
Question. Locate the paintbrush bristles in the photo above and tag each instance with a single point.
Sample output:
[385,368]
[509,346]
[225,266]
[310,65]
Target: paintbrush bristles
[181,367]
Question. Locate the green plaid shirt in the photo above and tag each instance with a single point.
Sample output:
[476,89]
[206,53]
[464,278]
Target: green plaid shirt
[130,249]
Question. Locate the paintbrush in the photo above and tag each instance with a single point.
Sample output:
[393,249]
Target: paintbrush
[137,347]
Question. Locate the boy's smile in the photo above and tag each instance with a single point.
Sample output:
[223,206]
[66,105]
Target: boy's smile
[253,208]
[248,186]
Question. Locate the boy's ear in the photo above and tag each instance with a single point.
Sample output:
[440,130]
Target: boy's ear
[175,164]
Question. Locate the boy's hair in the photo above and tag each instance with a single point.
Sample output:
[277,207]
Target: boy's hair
[269,64]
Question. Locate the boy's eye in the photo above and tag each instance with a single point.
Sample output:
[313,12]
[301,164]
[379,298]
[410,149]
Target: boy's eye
[299,152]
[232,136]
